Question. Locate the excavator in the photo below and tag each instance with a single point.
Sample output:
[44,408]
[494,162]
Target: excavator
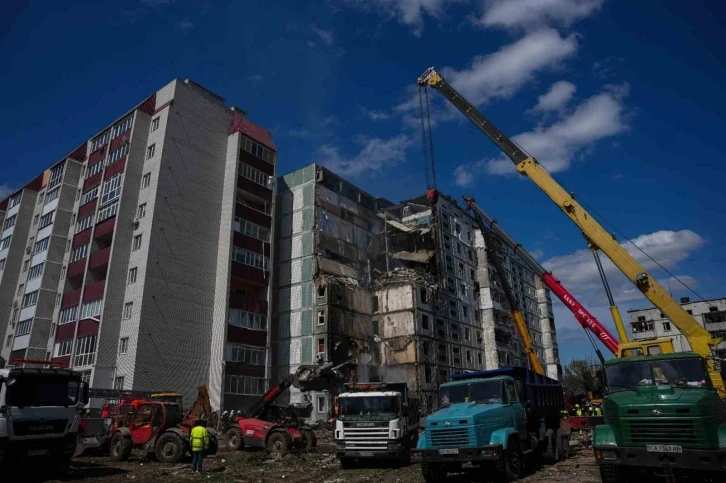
[700,340]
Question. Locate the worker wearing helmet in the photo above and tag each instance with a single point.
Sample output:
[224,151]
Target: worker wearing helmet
[578,410]
[199,441]
[598,411]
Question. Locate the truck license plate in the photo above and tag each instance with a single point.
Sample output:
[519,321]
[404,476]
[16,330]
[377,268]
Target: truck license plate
[664,448]
[37,452]
[449,451]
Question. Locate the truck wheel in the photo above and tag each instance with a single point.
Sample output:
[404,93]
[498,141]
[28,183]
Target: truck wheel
[610,474]
[169,448]
[309,440]
[279,443]
[550,453]
[433,472]
[347,463]
[80,447]
[512,464]
[213,446]
[121,447]
[234,439]
[563,445]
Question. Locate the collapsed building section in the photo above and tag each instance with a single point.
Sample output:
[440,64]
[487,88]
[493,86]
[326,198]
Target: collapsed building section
[404,290]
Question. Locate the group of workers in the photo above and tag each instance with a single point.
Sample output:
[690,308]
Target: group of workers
[588,410]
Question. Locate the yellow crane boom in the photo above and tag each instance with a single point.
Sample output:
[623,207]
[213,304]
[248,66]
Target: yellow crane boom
[700,340]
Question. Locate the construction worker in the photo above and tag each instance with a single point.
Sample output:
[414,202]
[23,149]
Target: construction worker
[199,441]
[578,410]
[598,411]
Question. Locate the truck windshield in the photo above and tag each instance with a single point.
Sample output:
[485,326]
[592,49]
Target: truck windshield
[675,372]
[375,407]
[41,390]
[480,392]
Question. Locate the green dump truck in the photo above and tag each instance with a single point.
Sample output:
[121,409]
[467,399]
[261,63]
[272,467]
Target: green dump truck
[662,416]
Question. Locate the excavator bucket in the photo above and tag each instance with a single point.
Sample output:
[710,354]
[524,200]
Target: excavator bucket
[314,377]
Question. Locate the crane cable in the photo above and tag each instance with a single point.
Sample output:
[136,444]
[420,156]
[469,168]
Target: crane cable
[427,140]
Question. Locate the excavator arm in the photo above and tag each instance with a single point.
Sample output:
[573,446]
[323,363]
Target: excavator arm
[700,340]
[585,318]
[492,245]
[201,407]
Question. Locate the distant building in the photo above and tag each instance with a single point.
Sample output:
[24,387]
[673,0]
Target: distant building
[651,323]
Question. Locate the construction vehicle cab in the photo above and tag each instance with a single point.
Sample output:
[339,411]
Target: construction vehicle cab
[662,414]
[170,397]
[650,347]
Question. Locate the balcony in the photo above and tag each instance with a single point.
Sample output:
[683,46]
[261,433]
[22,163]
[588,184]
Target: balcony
[248,304]
[71,298]
[251,187]
[94,291]
[76,268]
[99,260]
[104,229]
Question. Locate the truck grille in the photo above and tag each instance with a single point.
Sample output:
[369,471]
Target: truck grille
[649,431]
[367,439]
[449,437]
[36,427]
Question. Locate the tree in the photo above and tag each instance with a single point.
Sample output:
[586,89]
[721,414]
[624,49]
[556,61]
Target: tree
[573,380]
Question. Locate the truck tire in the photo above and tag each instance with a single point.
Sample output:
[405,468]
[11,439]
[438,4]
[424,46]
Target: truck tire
[279,443]
[309,440]
[169,448]
[433,472]
[80,446]
[512,464]
[234,440]
[551,454]
[121,447]
[213,446]
[563,445]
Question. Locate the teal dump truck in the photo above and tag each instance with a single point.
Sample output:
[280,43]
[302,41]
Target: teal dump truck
[501,421]
[662,416]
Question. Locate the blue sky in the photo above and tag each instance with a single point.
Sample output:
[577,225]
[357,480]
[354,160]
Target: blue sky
[622,100]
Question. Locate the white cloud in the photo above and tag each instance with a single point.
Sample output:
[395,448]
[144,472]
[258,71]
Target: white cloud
[408,12]
[184,25]
[537,254]
[157,3]
[302,132]
[531,14]
[556,98]
[463,176]
[555,146]
[310,44]
[375,154]
[325,35]
[256,78]
[503,73]
[6,190]
[375,115]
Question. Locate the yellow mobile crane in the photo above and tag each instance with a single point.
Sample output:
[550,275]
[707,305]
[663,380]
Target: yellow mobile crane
[701,342]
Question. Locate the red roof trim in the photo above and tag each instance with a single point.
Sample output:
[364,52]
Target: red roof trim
[240,123]
[148,105]
[162,107]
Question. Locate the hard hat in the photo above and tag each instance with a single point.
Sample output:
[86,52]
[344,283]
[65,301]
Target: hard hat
[577,405]
[224,413]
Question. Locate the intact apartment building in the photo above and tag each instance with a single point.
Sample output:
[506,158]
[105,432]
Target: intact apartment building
[402,288]
[651,322]
[156,260]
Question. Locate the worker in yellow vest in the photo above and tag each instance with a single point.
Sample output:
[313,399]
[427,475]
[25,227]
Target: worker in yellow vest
[578,410]
[598,411]
[199,441]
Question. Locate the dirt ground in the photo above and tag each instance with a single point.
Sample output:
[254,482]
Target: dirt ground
[319,467]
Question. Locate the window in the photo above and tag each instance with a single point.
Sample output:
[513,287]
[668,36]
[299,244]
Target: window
[107,212]
[141,212]
[132,275]
[424,296]
[710,309]
[465,310]
[89,195]
[63,348]
[479,358]
[690,312]
[468,356]
[56,174]
[21,288]
[426,348]
[427,374]
[123,345]
[375,303]
[119,153]
[321,404]
[473,274]
[24,327]
[255,175]
[424,321]
[321,318]
[666,326]
[467,333]
[85,351]
[68,315]
[321,346]
[99,141]
[79,253]
[111,188]
[154,124]
[91,308]
[40,198]
[30,299]
[247,354]
[146,180]
[258,150]
[248,320]
[137,243]
[118,382]
[46,220]
[2,264]
[25,265]
[94,169]
[122,127]
[10,222]
[250,258]
[250,229]
[128,309]
[321,291]
[84,223]
[150,151]
[245,385]
[5,242]
[52,195]
[8,341]
[15,200]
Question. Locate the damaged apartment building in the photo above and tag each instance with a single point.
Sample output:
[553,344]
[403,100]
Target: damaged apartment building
[412,302]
